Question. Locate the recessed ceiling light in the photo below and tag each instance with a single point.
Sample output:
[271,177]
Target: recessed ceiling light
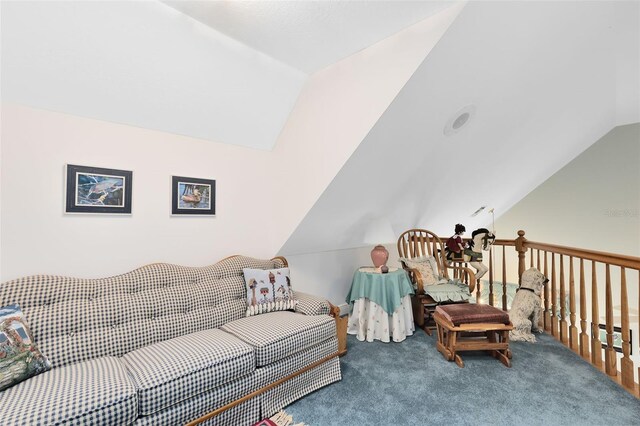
[459,119]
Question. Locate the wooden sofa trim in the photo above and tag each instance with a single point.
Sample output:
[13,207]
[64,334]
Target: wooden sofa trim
[261,390]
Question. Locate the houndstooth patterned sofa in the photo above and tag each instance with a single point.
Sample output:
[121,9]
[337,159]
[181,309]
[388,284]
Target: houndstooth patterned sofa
[165,345]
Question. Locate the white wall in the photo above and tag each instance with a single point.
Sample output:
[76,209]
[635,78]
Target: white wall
[593,202]
[38,237]
[330,273]
[261,195]
[258,200]
[144,64]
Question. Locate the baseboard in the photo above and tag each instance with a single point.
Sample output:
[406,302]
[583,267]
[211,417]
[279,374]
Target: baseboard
[344,309]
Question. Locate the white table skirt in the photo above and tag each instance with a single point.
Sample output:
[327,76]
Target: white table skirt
[368,321]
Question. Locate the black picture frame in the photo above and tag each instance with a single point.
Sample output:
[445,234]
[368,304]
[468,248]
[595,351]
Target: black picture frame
[97,190]
[617,338]
[193,196]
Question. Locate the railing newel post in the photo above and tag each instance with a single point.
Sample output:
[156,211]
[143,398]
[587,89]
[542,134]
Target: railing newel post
[504,279]
[521,248]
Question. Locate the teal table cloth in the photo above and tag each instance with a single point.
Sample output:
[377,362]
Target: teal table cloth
[386,290]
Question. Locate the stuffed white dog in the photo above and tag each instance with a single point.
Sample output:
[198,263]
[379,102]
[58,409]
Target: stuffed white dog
[527,306]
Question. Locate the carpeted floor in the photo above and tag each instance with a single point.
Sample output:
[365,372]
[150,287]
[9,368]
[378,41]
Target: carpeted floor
[410,383]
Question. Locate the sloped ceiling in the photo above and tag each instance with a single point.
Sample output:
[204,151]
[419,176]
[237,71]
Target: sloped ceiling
[543,78]
[309,35]
[144,64]
[547,79]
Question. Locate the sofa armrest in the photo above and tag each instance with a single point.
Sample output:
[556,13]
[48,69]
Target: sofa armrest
[313,305]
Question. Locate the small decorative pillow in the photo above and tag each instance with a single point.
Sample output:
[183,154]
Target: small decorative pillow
[20,358]
[268,290]
[424,265]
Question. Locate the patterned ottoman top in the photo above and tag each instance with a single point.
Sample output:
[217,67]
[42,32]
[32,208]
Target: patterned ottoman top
[471,313]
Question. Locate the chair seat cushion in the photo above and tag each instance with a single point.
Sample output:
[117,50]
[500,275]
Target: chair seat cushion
[171,371]
[98,391]
[471,313]
[277,335]
[448,291]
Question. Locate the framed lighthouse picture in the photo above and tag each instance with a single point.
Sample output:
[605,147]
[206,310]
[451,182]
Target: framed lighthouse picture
[98,190]
[193,196]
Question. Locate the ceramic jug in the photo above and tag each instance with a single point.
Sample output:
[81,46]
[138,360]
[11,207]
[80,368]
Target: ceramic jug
[379,256]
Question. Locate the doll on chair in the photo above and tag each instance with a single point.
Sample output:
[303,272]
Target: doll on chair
[454,247]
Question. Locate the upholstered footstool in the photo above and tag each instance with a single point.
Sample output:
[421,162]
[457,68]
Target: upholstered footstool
[472,327]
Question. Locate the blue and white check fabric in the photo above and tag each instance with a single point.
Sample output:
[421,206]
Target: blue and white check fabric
[174,370]
[279,397]
[97,392]
[193,408]
[148,317]
[296,362]
[276,335]
[311,305]
[73,320]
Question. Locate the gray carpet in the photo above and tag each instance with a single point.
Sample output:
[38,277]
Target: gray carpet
[410,383]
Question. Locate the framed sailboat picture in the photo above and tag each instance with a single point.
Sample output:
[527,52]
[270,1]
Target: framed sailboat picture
[193,196]
[98,190]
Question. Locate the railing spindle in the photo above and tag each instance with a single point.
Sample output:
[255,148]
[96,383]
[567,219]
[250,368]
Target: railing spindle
[596,344]
[531,257]
[547,313]
[609,353]
[626,365]
[584,337]
[564,328]
[538,259]
[491,277]
[504,279]
[573,330]
[554,298]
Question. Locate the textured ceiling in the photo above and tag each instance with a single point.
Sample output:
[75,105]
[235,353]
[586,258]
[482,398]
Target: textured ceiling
[309,35]
[544,79]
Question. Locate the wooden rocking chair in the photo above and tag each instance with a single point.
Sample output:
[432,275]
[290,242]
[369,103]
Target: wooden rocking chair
[416,243]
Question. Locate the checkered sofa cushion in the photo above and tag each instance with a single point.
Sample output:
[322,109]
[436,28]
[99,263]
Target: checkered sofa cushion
[204,403]
[73,320]
[276,335]
[174,370]
[98,392]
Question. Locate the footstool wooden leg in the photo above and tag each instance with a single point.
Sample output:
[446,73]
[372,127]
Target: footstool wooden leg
[503,358]
[459,361]
[442,344]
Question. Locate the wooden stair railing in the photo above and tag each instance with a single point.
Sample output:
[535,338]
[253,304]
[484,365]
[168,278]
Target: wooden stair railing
[559,264]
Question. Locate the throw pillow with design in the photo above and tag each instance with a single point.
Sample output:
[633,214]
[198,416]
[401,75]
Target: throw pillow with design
[268,290]
[425,266]
[20,358]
